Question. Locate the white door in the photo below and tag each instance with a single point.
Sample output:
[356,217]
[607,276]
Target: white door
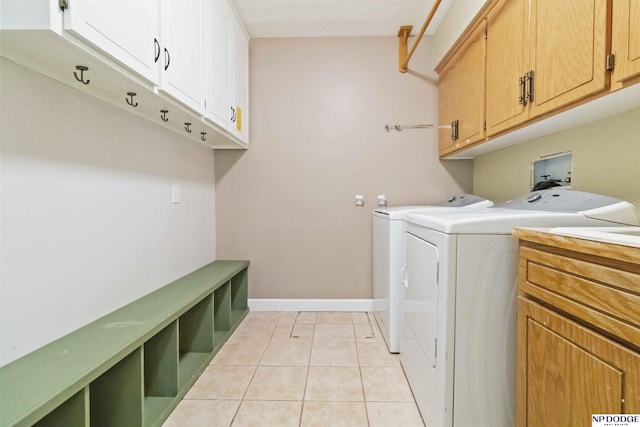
[182,56]
[125,30]
[421,296]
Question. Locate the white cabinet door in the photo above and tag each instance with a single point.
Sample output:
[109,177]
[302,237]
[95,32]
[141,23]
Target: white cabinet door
[240,105]
[182,57]
[126,30]
[220,63]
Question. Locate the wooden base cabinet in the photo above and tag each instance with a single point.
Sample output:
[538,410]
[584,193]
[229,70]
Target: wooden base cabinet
[578,330]
[568,372]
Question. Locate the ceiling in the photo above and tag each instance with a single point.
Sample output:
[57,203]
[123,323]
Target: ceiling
[332,18]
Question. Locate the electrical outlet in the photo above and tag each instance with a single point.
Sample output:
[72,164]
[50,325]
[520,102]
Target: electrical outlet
[175,194]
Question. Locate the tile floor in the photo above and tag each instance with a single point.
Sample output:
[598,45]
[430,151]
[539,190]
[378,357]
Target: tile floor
[301,369]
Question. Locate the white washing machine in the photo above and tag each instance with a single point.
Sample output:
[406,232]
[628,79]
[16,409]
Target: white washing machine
[459,324]
[388,235]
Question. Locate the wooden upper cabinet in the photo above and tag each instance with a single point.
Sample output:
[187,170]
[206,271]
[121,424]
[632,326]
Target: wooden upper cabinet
[625,40]
[461,97]
[507,60]
[568,54]
[541,56]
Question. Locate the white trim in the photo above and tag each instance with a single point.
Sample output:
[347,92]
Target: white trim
[311,304]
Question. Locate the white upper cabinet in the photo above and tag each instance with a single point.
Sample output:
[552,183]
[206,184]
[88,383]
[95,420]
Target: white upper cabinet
[182,57]
[240,102]
[126,30]
[180,63]
[220,69]
[228,93]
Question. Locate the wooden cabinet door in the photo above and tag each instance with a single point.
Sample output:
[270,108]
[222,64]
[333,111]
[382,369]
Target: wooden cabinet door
[567,372]
[461,96]
[182,57]
[569,48]
[471,84]
[446,112]
[507,61]
[122,29]
[625,42]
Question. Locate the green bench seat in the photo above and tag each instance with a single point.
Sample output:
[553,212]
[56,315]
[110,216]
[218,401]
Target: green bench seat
[133,366]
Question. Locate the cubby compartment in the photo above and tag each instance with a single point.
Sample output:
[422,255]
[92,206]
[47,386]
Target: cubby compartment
[115,397]
[160,373]
[195,335]
[239,295]
[74,412]
[221,313]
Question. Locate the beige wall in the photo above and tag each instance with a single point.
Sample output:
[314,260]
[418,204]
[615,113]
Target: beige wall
[606,160]
[87,224]
[318,107]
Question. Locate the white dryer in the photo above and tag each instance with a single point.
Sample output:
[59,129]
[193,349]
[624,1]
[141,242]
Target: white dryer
[388,238]
[459,327]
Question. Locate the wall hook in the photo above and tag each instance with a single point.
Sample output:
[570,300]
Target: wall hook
[186,127]
[130,100]
[82,69]
[202,136]
[164,115]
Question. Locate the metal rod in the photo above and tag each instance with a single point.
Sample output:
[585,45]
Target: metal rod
[401,127]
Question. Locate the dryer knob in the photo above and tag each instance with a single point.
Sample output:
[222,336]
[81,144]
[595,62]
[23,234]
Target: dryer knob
[534,197]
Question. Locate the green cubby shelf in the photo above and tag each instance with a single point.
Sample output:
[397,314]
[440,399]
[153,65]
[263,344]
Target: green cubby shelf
[133,366]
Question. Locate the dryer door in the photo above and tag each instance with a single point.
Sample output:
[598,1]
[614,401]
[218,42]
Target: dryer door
[421,296]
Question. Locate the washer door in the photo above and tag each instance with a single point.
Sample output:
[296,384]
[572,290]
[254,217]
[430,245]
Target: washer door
[421,295]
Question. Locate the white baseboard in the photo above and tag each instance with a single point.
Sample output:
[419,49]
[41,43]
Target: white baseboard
[310,304]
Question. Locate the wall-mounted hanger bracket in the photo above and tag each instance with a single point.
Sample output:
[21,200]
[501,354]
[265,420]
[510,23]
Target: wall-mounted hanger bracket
[403,39]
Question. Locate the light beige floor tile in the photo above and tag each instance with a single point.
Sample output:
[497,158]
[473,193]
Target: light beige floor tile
[239,353]
[376,354]
[334,354]
[198,413]
[392,414]
[364,333]
[334,414]
[261,413]
[254,331]
[287,354]
[334,384]
[306,317]
[277,383]
[296,332]
[334,333]
[263,316]
[385,384]
[222,382]
[361,317]
[335,317]
[287,317]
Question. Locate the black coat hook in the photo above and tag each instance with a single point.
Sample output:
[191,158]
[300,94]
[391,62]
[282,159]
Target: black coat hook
[164,115]
[202,136]
[130,100]
[186,127]
[82,69]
